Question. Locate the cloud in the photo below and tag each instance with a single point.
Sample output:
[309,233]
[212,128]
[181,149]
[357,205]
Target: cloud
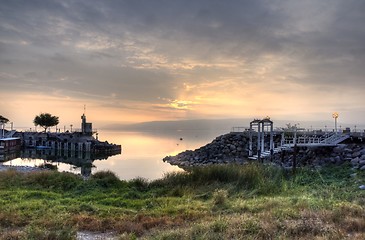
[201,55]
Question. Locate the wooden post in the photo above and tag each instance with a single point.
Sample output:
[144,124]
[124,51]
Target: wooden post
[295,159]
[258,138]
[250,142]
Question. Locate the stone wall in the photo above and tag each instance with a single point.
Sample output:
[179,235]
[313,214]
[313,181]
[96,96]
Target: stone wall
[228,148]
[233,148]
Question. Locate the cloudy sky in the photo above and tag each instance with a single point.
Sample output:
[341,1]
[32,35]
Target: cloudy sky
[145,60]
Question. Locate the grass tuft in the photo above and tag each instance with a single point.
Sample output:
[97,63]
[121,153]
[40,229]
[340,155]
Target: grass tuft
[220,197]
[106,179]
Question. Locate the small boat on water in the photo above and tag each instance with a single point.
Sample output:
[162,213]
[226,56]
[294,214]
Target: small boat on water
[42,147]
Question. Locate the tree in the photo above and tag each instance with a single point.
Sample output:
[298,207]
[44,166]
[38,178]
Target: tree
[45,120]
[3,120]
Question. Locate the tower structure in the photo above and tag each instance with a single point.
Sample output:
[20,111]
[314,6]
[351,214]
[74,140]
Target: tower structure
[86,128]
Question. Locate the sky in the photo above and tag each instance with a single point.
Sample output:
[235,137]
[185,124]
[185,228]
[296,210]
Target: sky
[134,61]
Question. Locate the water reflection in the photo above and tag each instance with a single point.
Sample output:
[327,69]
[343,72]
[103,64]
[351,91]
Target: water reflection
[82,161]
[5,156]
[141,157]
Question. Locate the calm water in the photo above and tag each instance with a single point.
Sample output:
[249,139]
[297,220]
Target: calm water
[141,156]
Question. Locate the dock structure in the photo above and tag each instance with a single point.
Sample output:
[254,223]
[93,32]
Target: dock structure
[74,141]
[262,144]
[261,126]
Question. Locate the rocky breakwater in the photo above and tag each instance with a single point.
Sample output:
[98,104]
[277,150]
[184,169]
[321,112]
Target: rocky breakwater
[228,148]
[356,155]
[318,156]
[233,148]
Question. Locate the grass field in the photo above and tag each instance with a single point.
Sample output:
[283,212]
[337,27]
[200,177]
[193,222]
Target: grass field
[217,202]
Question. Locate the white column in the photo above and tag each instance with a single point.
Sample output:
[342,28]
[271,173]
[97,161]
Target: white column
[250,142]
[271,136]
[263,138]
[258,138]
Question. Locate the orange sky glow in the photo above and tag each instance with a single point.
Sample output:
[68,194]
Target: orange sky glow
[138,62]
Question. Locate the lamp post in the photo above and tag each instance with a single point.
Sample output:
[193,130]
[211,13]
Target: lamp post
[335,116]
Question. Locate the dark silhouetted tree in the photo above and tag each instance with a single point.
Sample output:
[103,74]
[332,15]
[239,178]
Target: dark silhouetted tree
[45,120]
[3,120]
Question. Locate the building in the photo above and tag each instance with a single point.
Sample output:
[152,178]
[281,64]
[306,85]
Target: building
[86,128]
[10,144]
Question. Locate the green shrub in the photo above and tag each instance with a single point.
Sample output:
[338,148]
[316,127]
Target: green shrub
[140,184]
[106,179]
[220,197]
[52,180]
[219,226]
[10,178]
[216,173]
[84,207]
[172,179]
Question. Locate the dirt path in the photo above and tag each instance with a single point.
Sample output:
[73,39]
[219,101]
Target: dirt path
[95,236]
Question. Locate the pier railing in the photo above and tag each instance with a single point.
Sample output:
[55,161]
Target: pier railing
[239,129]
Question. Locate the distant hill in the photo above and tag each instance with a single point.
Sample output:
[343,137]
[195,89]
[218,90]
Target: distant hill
[197,124]
[214,125]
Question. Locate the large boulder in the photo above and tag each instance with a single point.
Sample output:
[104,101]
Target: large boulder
[355,161]
[361,163]
[356,154]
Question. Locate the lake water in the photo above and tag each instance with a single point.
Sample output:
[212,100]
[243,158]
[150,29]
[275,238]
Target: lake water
[142,153]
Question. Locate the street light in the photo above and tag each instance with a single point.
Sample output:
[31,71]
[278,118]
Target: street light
[335,116]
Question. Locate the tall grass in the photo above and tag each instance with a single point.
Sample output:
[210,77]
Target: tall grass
[53,205]
[264,179]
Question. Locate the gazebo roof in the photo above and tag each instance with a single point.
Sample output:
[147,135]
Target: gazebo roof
[265,120]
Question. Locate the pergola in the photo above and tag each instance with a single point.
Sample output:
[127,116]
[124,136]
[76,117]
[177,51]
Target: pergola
[262,126]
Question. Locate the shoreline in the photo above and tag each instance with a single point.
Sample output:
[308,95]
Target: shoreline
[24,169]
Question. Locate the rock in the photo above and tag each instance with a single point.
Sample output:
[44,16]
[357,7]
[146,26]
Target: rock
[348,150]
[362,157]
[362,187]
[356,154]
[339,160]
[355,161]
[361,163]
[232,147]
[362,168]
[338,149]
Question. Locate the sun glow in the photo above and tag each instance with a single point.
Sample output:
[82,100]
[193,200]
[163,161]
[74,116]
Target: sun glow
[181,104]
